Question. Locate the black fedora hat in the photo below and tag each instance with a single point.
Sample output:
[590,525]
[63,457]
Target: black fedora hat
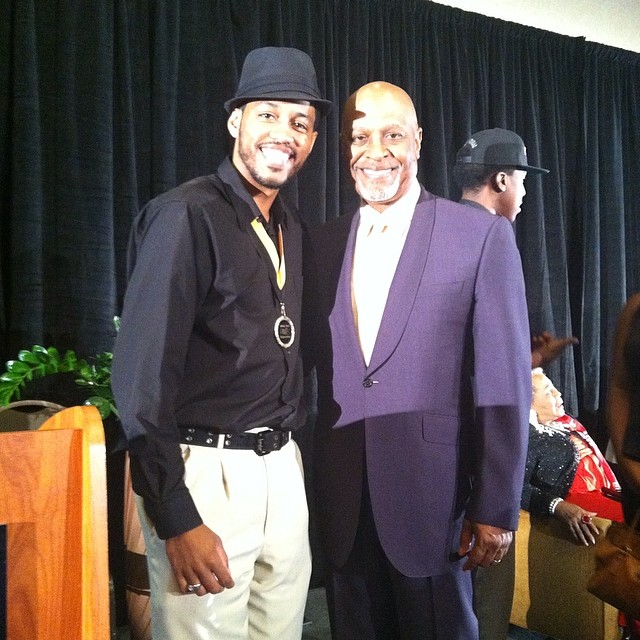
[499,147]
[278,73]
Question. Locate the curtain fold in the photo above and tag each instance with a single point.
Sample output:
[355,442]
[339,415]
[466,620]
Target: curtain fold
[106,104]
[609,206]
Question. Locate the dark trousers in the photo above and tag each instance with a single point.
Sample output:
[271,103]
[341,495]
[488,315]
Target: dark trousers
[493,589]
[369,599]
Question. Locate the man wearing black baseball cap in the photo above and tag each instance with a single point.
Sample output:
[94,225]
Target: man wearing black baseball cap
[207,374]
[490,170]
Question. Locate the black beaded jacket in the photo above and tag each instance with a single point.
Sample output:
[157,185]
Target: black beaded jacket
[552,462]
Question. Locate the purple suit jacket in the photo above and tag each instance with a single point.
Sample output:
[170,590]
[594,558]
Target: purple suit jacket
[441,413]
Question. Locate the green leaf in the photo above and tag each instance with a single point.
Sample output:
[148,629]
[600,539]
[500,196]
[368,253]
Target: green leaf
[50,368]
[8,376]
[10,388]
[103,391]
[28,357]
[40,352]
[103,405]
[7,394]
[15,366]
[53,353]
[85,372]
[40,371]
[71,361]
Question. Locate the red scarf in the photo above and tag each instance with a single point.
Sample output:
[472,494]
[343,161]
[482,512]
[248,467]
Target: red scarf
[593,471]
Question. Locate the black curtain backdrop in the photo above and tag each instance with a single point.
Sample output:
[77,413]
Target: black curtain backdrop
[104,104]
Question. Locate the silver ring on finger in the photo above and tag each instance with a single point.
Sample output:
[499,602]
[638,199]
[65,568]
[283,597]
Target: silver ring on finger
[192,588]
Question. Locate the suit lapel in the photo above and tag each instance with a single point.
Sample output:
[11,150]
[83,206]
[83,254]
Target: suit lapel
[342,314]
[404,287]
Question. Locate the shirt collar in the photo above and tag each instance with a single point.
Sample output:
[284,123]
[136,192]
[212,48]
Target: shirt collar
[228,173]
[477,205]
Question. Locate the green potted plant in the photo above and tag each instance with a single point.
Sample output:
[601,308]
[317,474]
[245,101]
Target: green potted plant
[38,362]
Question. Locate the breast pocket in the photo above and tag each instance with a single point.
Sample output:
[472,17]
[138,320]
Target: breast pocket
[441,312]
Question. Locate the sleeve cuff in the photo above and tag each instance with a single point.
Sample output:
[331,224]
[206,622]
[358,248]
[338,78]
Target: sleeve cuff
[175,516]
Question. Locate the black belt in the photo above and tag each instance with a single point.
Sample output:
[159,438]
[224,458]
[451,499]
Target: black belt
[262,442]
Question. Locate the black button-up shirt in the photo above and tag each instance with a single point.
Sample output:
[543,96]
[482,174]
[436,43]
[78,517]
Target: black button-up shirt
[196,347]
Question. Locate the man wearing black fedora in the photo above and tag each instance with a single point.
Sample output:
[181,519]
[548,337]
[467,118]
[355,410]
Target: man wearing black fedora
[207,374]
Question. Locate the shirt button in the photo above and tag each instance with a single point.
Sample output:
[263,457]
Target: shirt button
[367,383]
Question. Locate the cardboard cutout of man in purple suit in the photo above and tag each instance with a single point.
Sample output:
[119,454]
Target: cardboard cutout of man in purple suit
[420,445]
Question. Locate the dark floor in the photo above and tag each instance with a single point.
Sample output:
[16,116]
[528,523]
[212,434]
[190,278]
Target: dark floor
[317,622]
[317,627]
[516,633]
[316,618]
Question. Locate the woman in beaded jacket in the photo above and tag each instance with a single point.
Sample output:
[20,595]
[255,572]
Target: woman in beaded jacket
[565,471]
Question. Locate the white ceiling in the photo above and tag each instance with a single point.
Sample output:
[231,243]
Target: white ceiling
[611,22]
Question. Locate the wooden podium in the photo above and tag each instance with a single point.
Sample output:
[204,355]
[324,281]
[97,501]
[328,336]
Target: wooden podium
[53,499]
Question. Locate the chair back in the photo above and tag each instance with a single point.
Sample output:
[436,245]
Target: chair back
[551,595]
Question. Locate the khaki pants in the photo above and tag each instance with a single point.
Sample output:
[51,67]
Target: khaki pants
[257,505]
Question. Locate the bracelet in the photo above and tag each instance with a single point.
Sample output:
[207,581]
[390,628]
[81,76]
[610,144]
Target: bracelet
[553,504]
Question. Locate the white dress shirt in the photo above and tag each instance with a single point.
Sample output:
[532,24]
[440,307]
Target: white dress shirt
[379,242]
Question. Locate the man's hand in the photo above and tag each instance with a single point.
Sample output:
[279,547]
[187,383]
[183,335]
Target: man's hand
[483,544]
[198,558]
[546,347]
[579,522]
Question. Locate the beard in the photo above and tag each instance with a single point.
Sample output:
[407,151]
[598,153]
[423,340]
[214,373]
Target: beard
[263,176]
[372,192]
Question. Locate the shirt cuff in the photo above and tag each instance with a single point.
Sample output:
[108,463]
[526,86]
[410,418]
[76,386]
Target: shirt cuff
[175,516]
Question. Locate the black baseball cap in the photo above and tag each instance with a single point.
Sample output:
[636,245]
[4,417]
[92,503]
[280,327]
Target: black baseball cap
[499,147]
